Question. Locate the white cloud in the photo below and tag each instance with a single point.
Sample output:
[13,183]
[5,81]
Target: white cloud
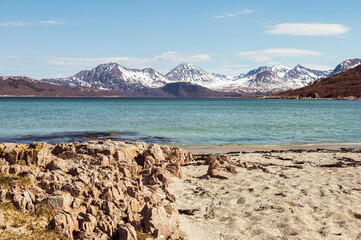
[16,24]
[229,15]
[52,22]
[246,11]
[176,57]
[14,57]
[268,54]
[22,24]
[308,29]
[91,62]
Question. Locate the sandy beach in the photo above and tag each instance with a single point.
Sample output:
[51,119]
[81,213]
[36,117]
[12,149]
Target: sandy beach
[280,194]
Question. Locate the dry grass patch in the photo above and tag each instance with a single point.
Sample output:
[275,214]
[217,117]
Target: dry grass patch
[31,227]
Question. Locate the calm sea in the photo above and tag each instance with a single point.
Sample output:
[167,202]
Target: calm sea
[181,121]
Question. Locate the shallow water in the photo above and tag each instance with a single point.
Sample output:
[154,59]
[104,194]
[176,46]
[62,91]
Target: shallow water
[181,121]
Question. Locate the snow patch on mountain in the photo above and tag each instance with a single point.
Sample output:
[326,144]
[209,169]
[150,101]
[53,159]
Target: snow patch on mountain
[346,65]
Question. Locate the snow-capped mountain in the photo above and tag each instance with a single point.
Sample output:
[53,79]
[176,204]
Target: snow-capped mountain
[264,79]
[113,76]
[301,76]
[190,73]
[275,78]
[345,65]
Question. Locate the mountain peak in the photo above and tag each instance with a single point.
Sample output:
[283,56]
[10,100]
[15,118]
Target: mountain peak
[345,65]
[187,72]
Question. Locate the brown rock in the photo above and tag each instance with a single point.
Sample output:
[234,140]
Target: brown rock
[60,201]
[127,232]
[64,223]
[38,153]
[24,201]
[92,210]
[157,153]
[174,169]
[57,164]
[89,223]
[213,168]
[2,220]
[160,220]
[12,152]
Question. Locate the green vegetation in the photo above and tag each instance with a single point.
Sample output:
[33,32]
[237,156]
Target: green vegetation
[170,156]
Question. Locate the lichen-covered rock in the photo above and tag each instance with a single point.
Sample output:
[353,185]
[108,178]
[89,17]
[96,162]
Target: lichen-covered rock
[60,201]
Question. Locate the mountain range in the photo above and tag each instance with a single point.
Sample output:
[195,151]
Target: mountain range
[144,82]
[19,86]
[343,85]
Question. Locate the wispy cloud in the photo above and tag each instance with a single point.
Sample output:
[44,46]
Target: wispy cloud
[14,57]
[52,22]
[176,57]
[90,62]
[268,54]
[229,15]
[16,24]
[308,29]
[22,24]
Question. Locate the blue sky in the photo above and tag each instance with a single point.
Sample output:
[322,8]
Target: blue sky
[59,38]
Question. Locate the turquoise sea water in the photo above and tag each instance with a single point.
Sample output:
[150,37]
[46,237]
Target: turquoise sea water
[182,121]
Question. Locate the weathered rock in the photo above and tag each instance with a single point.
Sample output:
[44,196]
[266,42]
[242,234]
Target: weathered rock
[63,147]
[174,169]
[38,153]
[24,201]
[160,220]
[60,201]
[127,232]
[57,164]
[2,220]
[12,152]
[89,223]
[64,223]
[92,210]
[156,152]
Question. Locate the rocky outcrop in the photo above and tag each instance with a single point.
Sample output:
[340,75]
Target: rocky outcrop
[95,189]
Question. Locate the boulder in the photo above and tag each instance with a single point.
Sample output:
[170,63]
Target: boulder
[89,223]
[156,152]
[60,201]
[64,224]
[213,168]
[57,164]
[24,201]
[12,152]
[160,220]
[126,232]
[174,169]
[38,153]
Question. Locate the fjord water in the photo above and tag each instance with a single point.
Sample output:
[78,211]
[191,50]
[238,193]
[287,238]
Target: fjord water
[182,121]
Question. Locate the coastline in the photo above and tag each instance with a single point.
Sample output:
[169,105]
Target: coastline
[251,148]
[246,192]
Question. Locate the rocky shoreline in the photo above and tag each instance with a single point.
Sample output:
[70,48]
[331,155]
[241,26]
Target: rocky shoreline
[106,189]
[93,190]
[308,98]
